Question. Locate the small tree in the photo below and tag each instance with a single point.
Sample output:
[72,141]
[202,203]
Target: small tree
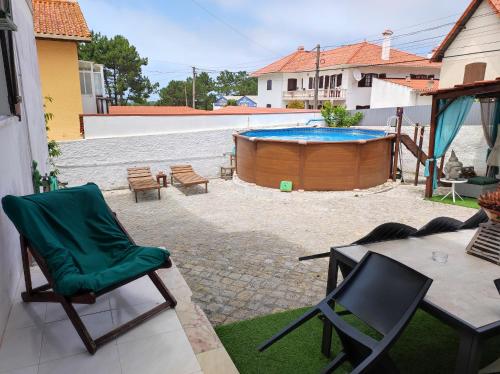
[232,102]
[338,116]
[54,149]
[296,104]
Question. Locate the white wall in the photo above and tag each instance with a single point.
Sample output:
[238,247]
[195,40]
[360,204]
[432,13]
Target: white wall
[386,94]
[114,125]
[273,96]
[480,35]
[20,142]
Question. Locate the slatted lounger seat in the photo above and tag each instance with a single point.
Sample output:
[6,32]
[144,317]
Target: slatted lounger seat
[141,179]
[185,175]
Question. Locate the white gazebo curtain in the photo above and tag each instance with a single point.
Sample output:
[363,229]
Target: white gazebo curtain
[490,119]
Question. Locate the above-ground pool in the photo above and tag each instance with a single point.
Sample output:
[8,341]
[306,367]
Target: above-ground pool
[314,159]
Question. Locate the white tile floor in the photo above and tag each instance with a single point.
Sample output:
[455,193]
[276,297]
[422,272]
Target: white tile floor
[39,339]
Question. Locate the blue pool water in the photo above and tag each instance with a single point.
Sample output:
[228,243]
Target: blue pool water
[316,134]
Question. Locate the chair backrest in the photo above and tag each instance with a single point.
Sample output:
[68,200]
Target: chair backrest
[439,225]
[474,221]
[381,291]
[139,172]
[176,169]
[73,229]
[387,231]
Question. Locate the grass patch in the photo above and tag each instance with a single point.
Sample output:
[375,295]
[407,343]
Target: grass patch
[467,202]
[426,346]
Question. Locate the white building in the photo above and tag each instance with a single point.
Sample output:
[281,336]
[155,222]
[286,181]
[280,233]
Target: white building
[92,87]
[22,132]
[346,74]
[391,92]
[471,50]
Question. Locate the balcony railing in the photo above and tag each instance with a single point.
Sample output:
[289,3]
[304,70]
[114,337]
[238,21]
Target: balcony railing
[323,94]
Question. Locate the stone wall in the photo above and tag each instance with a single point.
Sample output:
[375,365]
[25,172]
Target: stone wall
[105,161]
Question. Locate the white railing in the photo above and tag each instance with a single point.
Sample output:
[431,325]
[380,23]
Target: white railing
[323,94]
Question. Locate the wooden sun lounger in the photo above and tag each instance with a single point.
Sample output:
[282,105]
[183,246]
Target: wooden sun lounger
[185,175]
[141,179]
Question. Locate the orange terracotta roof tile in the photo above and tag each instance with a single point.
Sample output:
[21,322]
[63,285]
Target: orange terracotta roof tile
[354,54]
[154,110]
[59,19]
[420,85]
[464,18]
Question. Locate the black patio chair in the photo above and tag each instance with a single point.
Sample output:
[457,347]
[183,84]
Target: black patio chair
[438,225]
[474,221]
[384,294]
[387,231]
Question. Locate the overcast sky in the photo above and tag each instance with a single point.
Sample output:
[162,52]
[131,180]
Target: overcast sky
[248,34]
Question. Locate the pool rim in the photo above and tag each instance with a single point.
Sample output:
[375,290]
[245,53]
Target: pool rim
[239,134]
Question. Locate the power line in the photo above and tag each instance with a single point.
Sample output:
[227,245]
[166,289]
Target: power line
[227,24]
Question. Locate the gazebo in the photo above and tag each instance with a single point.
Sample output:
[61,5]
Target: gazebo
[450,107]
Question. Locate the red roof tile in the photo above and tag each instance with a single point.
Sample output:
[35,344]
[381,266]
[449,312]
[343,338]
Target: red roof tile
[464,18]
[157,110]
[250,110]
[59,19]
[354,54]
[420,85]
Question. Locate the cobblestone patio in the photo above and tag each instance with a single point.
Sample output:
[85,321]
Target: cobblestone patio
[237,246]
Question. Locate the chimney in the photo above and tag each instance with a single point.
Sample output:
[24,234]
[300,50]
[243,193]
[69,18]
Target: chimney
[386,45]
[300,48]
[429,55]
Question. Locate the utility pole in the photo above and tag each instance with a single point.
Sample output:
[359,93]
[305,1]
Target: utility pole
[194,87]
[316,78]
[185,93]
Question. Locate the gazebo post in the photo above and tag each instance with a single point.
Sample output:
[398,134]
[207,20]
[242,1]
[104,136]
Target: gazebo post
[432,138]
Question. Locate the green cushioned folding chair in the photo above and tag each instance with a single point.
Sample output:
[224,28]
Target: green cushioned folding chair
[84,252]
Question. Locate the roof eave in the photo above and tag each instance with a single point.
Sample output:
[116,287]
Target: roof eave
[75,38]
[457,28]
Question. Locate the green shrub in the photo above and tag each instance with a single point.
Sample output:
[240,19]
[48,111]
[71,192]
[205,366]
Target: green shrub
[296,104]
[338,116]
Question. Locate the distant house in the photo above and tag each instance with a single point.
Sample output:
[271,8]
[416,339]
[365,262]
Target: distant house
[471,50]
[346,74]
[72,85]
[393,92]
[248,101]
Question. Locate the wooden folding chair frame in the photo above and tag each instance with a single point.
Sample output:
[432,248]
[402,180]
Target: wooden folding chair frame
[44,294]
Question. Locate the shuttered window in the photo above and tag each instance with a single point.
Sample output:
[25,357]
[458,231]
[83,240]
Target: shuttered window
[9,97]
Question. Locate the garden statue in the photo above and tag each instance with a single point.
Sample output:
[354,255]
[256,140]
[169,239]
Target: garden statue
[453,168]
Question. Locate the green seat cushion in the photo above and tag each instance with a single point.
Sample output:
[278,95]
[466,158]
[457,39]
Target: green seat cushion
[481,181]
[77,235]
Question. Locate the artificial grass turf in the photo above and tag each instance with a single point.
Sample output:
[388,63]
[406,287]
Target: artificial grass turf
[467,202]
[426,346]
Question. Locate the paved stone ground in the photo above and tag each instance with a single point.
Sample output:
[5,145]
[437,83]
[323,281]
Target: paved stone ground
[237,246]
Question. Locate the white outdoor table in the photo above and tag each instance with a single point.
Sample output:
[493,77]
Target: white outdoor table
[462,294]
[453,192]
